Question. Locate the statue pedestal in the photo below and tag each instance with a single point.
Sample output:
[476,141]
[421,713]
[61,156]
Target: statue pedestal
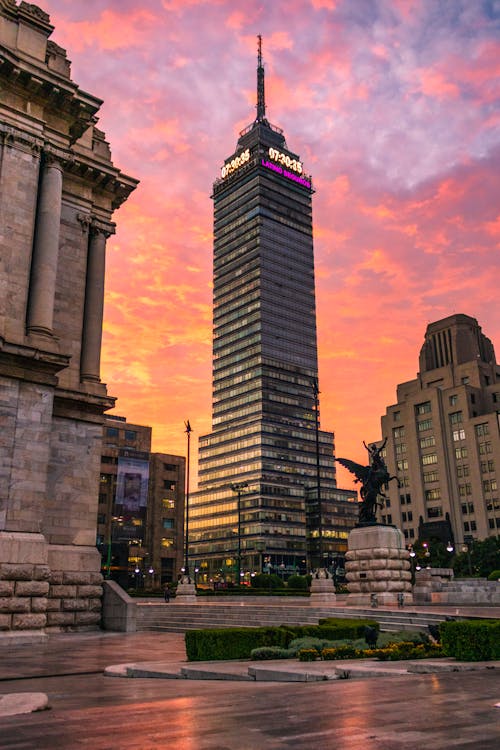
[378,567]
[186,591]
[322,589]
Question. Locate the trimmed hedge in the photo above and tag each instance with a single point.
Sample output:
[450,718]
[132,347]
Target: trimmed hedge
[343,628]
[231,643]
[298,583]
[471,640]
[238,643]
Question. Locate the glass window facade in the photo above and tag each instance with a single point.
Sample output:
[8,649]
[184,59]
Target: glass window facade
[264,377]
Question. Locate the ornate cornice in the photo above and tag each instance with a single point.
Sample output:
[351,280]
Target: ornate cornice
[11,136]
[54,90]
[99,226]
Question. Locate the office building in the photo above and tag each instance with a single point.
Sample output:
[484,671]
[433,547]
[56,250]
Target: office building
[443,438]
[140,521]
[58,192]
[265,453]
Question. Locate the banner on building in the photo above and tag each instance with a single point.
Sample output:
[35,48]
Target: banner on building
[132,484]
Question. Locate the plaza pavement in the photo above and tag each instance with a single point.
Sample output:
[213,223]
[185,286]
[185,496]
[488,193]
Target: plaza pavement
[220,706]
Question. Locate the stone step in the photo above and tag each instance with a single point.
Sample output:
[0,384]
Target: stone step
[179,618]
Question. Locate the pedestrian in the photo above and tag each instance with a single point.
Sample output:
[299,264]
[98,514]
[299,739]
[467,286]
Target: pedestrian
[167,593]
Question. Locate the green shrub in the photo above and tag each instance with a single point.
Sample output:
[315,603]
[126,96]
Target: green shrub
[267,581]
[298,583]
[308,642]
[308,654]
[471,640]
[231,643]
[239,643]
[338,627]
[269,652]
[494,575]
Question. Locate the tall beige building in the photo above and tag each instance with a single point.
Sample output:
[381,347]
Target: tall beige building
[58,191]
[443,438]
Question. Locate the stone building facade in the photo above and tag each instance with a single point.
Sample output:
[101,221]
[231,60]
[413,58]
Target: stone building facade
[58,191]
[443,439]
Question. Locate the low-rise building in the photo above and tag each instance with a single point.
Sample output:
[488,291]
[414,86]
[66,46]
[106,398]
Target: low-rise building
[140,522]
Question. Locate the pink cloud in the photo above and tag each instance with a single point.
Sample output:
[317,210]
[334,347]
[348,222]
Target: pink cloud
[394,112]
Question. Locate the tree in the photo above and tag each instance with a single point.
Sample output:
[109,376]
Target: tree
[479,560]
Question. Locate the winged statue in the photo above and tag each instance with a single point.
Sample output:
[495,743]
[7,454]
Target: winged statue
[372,478]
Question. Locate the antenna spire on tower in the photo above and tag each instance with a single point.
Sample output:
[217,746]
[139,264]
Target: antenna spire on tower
[261,104]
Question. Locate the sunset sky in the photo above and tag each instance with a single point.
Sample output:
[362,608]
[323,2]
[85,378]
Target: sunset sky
[394,109]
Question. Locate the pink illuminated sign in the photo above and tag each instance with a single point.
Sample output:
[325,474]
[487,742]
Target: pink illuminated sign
[286,173]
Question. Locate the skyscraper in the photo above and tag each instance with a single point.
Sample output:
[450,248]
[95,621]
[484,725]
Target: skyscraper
[265,452]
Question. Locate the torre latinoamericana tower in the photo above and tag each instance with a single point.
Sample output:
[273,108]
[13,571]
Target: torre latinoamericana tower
[266,465]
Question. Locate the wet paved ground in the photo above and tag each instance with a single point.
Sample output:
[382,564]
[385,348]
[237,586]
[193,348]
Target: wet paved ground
[89,710]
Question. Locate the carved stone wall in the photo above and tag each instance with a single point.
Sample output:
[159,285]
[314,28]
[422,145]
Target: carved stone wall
[58,191]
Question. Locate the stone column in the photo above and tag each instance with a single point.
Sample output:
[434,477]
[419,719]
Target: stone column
[90,361]
[45,249]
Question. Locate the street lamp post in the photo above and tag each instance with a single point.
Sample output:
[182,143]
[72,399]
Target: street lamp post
[412,554]
[186,546]
[466,547]
[318,477]
[238,487]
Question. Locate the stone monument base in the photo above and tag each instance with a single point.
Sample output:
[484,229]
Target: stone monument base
[186,591]
[378,567]
[322,589]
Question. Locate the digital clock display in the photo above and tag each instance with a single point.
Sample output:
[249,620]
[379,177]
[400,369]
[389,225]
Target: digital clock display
[235,163]
[285,160]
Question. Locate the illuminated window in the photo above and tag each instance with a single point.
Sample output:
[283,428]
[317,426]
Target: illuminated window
[434,494]
[430,458]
